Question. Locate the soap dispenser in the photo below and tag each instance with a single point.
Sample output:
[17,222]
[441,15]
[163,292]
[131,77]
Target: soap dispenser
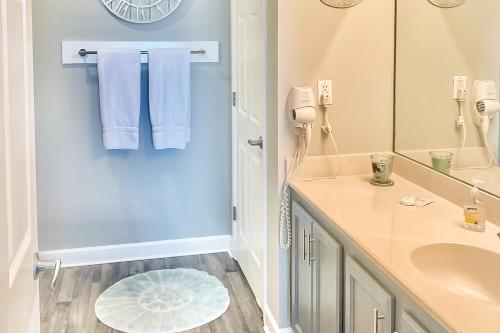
[475,209]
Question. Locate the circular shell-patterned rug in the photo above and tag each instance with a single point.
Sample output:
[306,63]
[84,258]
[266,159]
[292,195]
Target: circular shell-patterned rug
[165,301]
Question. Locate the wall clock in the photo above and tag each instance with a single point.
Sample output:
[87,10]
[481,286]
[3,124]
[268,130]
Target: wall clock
[341,3]
[141,11]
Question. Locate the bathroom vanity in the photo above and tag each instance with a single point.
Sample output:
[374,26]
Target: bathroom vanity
[361,262]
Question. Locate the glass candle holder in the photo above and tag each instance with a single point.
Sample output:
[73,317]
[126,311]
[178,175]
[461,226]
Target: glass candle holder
[382,170]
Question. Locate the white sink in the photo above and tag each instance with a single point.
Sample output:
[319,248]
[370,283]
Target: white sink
[465,270]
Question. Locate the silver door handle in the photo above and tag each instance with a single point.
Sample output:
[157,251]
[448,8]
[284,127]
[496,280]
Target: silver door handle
[304,242]
[376,319]
[259,142]
[46,265]
[311,246]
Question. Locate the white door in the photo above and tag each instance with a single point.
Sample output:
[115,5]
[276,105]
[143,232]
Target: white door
[249,116]
[18,229]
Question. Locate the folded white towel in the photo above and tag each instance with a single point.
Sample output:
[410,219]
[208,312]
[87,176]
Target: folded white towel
[170,97]
[120,96]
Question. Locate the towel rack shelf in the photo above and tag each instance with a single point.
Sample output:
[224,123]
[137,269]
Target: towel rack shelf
[85,52]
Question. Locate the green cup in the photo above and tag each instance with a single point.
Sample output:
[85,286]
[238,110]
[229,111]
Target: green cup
[441,161]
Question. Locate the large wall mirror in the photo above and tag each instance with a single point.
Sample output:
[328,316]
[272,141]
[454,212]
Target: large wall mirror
[447,88]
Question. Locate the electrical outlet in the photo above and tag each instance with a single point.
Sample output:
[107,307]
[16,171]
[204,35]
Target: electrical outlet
[325,92]
[459,85]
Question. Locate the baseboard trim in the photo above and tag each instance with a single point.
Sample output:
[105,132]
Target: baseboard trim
[271,325]
[139,251]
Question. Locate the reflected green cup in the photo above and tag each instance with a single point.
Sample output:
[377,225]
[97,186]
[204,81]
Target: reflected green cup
[441,161]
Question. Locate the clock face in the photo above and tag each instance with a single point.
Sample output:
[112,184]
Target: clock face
[141,11]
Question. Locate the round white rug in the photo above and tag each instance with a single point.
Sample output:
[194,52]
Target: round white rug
[166,301]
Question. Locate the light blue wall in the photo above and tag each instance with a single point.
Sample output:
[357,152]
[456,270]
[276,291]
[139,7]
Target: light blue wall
[88,196]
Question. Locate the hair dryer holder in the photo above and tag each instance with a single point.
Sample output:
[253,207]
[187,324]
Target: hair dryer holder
[301,111]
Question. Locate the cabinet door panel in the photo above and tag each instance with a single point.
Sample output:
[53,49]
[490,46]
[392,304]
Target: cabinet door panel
[327,284]
[302,309]
[410,325]
[364,299]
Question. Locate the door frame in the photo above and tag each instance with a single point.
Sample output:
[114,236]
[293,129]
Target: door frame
[4,276]
[234,146]
[17,285]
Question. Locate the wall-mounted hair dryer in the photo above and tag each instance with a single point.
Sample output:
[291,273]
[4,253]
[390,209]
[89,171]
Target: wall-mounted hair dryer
[302,112]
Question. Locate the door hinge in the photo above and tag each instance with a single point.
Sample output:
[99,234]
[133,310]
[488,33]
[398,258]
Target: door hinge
[235,214]
[234,98]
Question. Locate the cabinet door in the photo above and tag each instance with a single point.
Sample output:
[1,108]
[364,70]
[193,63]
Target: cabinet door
[327,281]
[368,306]
[410,325]
[302,318]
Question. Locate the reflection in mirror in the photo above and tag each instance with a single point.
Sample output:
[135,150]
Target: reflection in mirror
[447,81]
[341,3]
[447,3]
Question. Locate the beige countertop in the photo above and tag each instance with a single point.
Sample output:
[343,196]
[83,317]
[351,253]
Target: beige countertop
[388,232]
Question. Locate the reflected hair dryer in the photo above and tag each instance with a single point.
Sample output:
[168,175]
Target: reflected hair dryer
[484,106]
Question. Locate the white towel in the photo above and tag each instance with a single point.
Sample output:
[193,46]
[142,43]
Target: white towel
[120,95]
[170,97]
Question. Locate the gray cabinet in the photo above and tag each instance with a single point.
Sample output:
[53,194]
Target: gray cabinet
[410,325]
[368,306]
[316,276]
[302,316]
[327,283]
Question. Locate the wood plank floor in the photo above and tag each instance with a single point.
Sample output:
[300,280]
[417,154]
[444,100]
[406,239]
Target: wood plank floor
[70,306]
